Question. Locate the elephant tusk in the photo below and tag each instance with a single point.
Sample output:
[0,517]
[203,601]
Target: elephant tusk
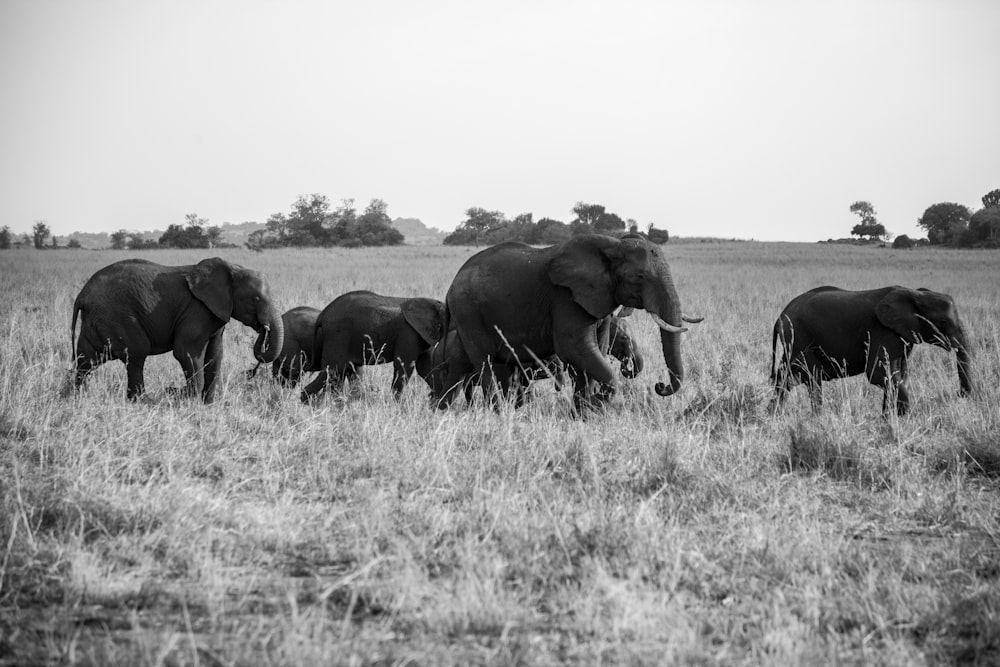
[692,320]
[666,327]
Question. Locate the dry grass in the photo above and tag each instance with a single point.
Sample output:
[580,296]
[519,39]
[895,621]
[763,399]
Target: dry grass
[701,528]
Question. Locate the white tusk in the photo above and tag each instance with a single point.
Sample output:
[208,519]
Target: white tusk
[666,327]
[692,320]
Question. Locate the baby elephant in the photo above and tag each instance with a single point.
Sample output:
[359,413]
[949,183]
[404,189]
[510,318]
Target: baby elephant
[364,328]
[296,355]
[830,333]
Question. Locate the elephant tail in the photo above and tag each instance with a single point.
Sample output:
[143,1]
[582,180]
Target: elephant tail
[774,343]
[77,308]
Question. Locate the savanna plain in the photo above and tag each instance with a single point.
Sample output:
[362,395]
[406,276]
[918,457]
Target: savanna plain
[703,528]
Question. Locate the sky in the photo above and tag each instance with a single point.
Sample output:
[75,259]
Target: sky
[727,118]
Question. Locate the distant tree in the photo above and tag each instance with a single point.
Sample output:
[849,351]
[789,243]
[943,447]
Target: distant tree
[213,235]
[991,198]
[73,243]
[257,240]
[902,242]
[592,218]
[549,232]
[55,242]
[136,242]
[375,226]
[195,235]
[5,237]
[655,235]
[984,226]
[869,225]
[476,227]
[946,223]
[119,240]
[345,230]
[39,233]
[305,226]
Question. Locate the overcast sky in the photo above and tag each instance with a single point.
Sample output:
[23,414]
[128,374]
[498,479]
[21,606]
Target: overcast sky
[760,120]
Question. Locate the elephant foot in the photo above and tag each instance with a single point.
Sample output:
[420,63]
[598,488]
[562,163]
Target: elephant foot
[584,405]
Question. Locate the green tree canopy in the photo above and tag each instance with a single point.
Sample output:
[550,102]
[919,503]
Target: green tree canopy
[5,237]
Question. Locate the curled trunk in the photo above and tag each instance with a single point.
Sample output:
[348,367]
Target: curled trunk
[662,301]
[270,337]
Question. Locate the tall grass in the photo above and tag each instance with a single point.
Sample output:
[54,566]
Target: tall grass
[698,528]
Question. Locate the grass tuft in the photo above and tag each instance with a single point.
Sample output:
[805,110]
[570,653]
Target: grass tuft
[966,631]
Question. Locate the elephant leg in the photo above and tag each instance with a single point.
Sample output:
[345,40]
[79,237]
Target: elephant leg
[193,366]
[316,387]
[890,374]
[212,368]
[292,371]
[282,375]
[134,371]
[351,374]
[87,359]
[401,372]
[497,381]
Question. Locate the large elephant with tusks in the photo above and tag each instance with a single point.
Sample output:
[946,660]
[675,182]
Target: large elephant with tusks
[512,306]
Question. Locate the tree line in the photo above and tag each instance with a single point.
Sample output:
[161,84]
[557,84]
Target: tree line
[313,223]
[483,227]
[946,223]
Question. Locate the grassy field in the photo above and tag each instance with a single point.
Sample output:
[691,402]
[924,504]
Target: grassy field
[699,528]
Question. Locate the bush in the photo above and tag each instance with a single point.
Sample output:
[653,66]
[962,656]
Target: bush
[659,236]
[903,242]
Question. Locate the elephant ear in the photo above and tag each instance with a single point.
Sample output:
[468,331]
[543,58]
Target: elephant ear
[898,312]
[581,265]
[426,316]
[211,282]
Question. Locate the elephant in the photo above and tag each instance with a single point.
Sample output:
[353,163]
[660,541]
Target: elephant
[621,346]
[364,328]
[296,355]
[135,308]
[513,306]
[829,333]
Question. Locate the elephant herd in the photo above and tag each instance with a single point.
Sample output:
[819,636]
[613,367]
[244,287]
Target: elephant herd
[513,313]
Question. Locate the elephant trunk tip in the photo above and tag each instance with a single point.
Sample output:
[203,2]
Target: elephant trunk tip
[664,389]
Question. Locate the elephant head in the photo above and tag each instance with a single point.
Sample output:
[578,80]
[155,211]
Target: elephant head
[622,347]
[231,291]
[602,273]
[426,316]
[931,317]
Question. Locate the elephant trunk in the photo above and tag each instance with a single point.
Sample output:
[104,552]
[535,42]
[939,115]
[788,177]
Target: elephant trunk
[271,336]
[665,307]
[959,342]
